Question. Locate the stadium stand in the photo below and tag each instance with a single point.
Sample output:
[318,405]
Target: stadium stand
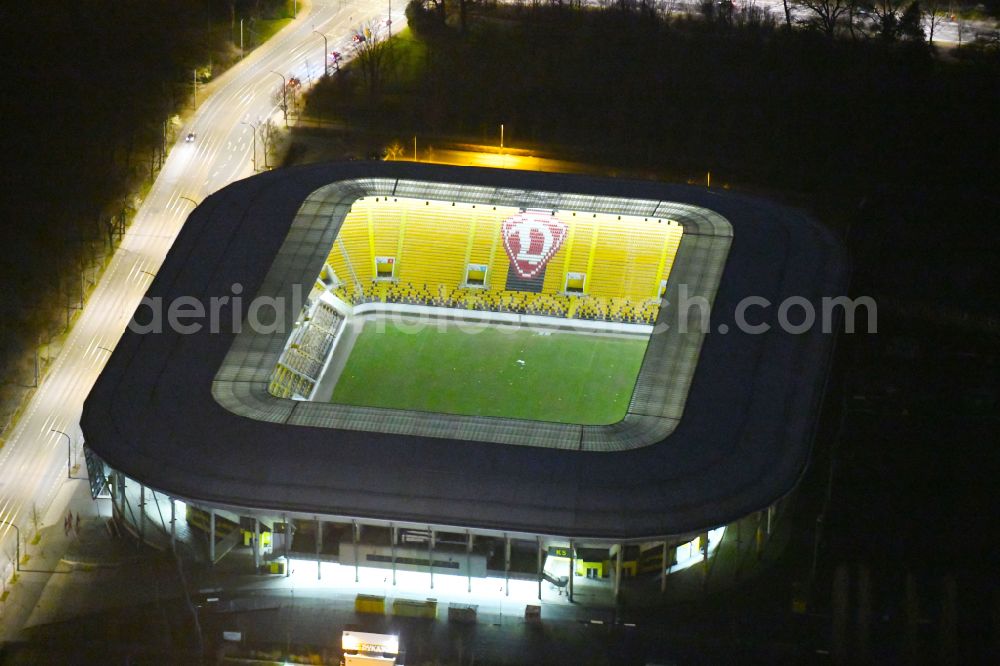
[301,364]
[423,252]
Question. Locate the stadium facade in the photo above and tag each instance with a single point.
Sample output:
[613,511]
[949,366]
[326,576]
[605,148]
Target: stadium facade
[719,425]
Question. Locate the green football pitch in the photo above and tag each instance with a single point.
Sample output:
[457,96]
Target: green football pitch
[486,371]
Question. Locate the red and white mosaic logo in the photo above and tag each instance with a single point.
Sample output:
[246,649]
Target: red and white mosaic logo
[531,238]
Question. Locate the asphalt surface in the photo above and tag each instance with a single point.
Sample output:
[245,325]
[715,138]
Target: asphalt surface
[33,459]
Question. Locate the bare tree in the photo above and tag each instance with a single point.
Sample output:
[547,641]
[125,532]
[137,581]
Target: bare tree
[853,8]
[961,28]
[36,518]
[895,19]
[371,50]
[10,555]
[933,12]
[463,13]
[750,15]
[826,15]
[439,9]
[788,14]
[267,131]
[394,151]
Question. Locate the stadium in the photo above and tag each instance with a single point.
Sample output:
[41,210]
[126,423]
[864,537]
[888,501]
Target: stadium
[422,367]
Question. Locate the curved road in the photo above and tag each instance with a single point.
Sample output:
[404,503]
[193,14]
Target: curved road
[33,463]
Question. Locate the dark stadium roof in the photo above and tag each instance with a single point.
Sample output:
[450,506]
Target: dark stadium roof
[742,441]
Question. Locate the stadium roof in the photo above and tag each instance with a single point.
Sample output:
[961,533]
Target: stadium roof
[741,442]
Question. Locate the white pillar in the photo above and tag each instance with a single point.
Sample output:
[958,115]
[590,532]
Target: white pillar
[430,555]
[393,536]
[288,545]
[142,513]
[211,536]
[173,527]
[354,536]
[663,569]
[256,545]
[618,571]
[121,493]
[468,560]
[319,547]
[572,568]
[539,539]
[506,565]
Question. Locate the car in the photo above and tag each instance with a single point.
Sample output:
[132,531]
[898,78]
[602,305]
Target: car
[189,138]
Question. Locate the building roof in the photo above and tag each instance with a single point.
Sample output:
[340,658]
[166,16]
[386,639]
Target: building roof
[742,440]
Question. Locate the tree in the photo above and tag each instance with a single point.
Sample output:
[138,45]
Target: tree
[463,13]
[36,518]
[933,14]
[267,132]
[371,51]
[10,554]
[826,15]
[426,17]
[394,151]
[893,21]
[911,23]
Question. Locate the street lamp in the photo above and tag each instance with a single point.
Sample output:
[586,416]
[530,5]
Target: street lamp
[284,97]
[501,146]
[17,564]
[253,130]
[326,49]
[69,452]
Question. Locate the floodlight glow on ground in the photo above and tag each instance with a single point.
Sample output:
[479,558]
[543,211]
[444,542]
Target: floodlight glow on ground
[359,641]
[488,591]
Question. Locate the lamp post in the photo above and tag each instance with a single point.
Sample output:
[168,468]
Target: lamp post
[326,50]
[284,96]
[253,130]
[17,564]
[69,452]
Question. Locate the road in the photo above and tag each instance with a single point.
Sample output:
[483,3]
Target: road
[33,462]
[946,31]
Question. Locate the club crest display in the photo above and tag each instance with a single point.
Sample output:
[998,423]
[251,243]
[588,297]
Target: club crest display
[531,238]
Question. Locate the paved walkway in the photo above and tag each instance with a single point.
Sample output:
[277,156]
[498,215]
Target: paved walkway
[72,574]
[60,555]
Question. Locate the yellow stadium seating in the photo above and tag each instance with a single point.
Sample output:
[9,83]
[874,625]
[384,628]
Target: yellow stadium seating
[407,251]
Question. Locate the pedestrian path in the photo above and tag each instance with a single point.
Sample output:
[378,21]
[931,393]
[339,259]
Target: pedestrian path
[91,564]
[60,552]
